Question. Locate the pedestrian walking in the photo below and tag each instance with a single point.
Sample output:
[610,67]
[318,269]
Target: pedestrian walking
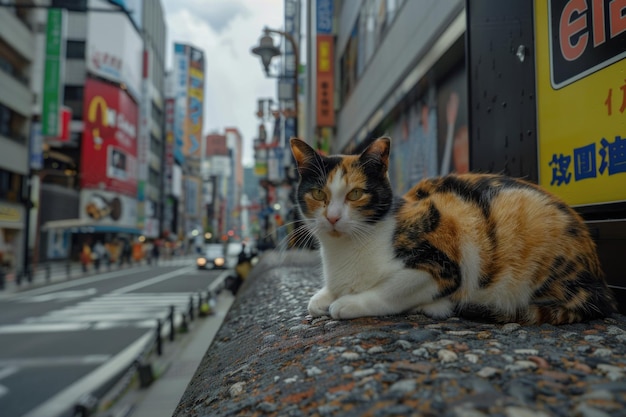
[156,252]
[85,257]
[99,255]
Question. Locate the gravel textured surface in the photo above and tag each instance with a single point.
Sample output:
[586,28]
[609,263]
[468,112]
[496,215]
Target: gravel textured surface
[271,359]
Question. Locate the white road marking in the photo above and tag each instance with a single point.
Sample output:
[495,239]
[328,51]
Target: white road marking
[119,308]
[61,296]
[54,361]
[63,400]
[151,281]
[8,371]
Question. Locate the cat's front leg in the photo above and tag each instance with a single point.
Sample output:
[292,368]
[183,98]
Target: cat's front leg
[319,303]
[404,291]
[352,306]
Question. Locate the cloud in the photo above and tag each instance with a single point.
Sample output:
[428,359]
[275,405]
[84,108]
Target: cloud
[226,30]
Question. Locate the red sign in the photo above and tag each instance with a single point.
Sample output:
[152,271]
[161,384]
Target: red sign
[325,81]
[109,148]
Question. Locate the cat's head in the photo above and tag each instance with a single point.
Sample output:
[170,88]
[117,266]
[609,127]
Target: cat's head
[340,195]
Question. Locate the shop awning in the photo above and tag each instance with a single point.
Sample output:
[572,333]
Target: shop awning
[87,226]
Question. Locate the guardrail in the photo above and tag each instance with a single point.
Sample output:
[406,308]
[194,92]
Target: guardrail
[201,304]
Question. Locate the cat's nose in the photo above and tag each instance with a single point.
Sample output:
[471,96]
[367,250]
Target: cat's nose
[333,219]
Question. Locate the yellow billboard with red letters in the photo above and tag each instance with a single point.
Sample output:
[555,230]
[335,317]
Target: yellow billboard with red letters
[581,99]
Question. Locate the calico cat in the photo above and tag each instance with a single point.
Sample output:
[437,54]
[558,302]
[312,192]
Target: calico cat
[450,245]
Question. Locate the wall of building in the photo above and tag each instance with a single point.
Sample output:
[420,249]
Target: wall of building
[407,41]
[17,52]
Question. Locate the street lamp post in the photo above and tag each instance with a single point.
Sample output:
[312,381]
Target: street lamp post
[266,50]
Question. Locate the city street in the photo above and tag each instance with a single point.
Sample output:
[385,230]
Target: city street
[65,340]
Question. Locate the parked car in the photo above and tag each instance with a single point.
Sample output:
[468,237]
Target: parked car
[212,258]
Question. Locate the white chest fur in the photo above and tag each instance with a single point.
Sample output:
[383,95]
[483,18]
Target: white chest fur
[354,265]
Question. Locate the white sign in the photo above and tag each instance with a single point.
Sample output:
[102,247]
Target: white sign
[108,208]
[114,48]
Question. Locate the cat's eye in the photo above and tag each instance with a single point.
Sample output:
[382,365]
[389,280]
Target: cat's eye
[318,194]
[355,194]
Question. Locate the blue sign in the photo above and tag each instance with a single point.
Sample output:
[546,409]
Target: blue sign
[324,17]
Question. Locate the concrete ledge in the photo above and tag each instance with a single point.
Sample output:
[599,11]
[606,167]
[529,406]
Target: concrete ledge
[269,358]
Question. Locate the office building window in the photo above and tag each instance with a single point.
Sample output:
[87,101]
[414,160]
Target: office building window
[75,49]
[72,5]
[73,98]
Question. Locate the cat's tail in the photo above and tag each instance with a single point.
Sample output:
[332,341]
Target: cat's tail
[592,300]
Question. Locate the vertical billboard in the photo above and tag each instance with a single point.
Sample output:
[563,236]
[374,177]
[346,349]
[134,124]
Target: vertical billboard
[114,48]
[581,99]
[179,87]
[195,103]
[168,165]
[325,68]
[53,72]
[109,147]
[292,27]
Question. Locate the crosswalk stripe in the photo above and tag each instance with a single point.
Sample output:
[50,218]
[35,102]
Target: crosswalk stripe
[140,310]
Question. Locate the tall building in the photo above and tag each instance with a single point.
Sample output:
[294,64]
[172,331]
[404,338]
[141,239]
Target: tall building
[235,183]
[185,110]
[111,86]
[152,121]
[216,184]
[17,56]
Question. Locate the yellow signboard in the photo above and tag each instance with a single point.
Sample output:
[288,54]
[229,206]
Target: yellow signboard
[581,99]
[9,214]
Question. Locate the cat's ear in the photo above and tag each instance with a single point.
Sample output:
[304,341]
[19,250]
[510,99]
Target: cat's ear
[379,150]
[302,152]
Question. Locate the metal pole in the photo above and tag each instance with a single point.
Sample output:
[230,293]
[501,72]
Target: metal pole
[159,340]
[172,329]
[296,56]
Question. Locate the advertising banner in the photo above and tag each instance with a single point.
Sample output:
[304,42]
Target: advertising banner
[109,148]
[324,17]
[108,208]
[52,97]
[114,54]
[168,164]
[581,99]
[195,104]
[292,27]
[181,77]
[325,81]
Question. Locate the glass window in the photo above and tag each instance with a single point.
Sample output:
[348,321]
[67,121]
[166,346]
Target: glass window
[75,49]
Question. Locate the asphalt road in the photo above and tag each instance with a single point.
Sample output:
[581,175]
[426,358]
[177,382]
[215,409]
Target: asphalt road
[60,341]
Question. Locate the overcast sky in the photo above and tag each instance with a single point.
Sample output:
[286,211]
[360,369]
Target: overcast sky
[226,30]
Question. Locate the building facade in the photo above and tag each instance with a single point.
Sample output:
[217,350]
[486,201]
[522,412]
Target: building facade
[17,57]
[104,166]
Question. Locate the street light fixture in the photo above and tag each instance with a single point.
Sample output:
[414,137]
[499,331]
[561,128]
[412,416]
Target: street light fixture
[266,50]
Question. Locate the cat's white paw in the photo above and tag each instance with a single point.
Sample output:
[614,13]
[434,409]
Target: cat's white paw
[320,302]
[348,307]
[440,309]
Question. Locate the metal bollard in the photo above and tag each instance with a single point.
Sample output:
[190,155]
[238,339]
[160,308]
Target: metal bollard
[159,339]
[184,327]
[172,329]
[191,308]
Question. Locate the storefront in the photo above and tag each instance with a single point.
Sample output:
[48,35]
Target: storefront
[11,237]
